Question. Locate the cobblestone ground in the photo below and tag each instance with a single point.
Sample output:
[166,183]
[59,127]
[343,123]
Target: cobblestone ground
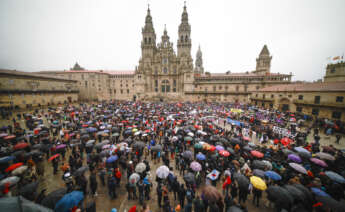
[105,204]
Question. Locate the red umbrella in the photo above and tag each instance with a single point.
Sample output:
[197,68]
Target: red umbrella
[124,121]
[84,125]
[21,145]
[9,137]
[133,209]
[257,154]
[53,157]
[212,148]
[286,141]
[13,167]
[224,153]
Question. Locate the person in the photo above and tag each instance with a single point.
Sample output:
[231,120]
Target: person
[93,183]
[55,165]
[159,194]
[338,137]
[198,204]
[182,195]
[234,190]
[189,206]
[140,185]
[257,195]
[112,187]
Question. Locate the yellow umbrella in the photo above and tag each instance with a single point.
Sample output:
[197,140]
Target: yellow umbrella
[134,130]
[258,183]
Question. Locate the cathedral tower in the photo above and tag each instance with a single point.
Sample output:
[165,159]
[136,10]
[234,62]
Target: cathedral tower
[184,42]
[199,69]
[263,62]
[148,43]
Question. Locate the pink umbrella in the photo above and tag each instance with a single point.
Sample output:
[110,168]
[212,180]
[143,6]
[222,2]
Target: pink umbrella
[298,168]
[61,146]
[246,138]
[219,148]
[319,162]
[195,166]
[106,146]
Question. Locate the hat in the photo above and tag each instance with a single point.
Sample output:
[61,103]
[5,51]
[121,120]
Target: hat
[113,210]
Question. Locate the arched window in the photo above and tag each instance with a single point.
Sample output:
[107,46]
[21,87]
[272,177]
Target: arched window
[165,70]
[186,39]
[145,40]
[181,38]
[149,40]
[165,86]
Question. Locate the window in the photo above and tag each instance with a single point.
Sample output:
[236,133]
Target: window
[271,105]
[165,70]
[82,76]
[149,40]
[11,81]
[165,61]
[145,40]
[121,91]
[289,96]
[174,70]
[114,91]
[188,76]
[139,76]
[299,109]
[214,88]
[332,70]
[317,100]
[174,83]
[127,90]
[181,39]
[85,83]
[220,87]
[272,96]
[186,39]
[263,104]
[315,111]
[257,87]
[237,87]
[300,97]
[339,99]
[226,87]
[256,95]
[263,96]
[165,86]
[336,114]
[245,88]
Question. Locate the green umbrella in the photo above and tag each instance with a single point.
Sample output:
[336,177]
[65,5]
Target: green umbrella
[188,138]
[198,146]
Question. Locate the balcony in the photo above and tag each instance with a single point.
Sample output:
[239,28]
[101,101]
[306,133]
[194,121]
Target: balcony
[262,99]
[321,104]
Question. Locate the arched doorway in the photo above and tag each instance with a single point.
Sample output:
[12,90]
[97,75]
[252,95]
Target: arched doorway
[284,104]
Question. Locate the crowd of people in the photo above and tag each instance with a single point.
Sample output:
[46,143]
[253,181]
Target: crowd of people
[209,157]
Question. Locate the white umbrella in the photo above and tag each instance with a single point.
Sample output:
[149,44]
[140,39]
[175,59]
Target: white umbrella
[191,134]
[162,172]
[134,178]
[140,167]
[19,170]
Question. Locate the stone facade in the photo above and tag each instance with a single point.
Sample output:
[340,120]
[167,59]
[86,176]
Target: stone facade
[322,99]
[335,72]
[22,89]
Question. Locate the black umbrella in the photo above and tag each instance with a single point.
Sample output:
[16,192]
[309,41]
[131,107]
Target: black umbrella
[81,171]
[18,153]
[187,154]
[37,146]
[297,194]
[235,141]
[307,194]
[259,173]
[53,197]
[189,178]
[242,180]
[331,203]
[20,204]
[28,190]
[258,164]
[247,148]
[139,144]
[280,196]
[234,209]
[157,148]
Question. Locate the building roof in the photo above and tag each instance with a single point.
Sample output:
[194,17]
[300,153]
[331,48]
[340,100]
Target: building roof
[306,87]
[249,74]
[264,51]
[111,72]
[34,75]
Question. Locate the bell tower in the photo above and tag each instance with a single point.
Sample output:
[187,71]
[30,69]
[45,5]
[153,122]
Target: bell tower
[263,62]
[148,43]
[184,42]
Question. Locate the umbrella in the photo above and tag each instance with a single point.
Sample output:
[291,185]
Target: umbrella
[211,193]
[188,138]
[139,144]
[140,167]
[258,164]
[224,153]
[219,148]
[13,167]
[195,166]
[246,138]
[200,156]
[28,189]
[162,172]
[198,146]
[273,175]
[230,150]
[301,149]
[19,170]
[37,146]
[61,146]
[335,176]
[11,180]
[287,151]
[69,201]
[298,168]
[247,148]
[189,178]
[134,178]
[296,193]
[187,154]
[325,156]
[20,204]
[257,154]
[286,141]
[259,173]
[280,195]
[112,159]
[115,134]
[213,175]
[6,159]
[319,192]
[157,148]
[294,158]
[20,145]
[81,171]
[331,203]
[258,183]
[53,197]
[242,180]
[234,209]
[53,157]
[90,142]
[319,162]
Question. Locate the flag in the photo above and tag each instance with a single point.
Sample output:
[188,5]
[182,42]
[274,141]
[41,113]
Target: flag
[336,58]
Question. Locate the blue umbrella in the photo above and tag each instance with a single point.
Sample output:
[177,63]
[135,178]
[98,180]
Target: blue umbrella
[319,192]
[301,149]
[69,201]
[273,175]
[91,129]
[106,131]
[200,156]
[334,176]
[6,159]
[112,159]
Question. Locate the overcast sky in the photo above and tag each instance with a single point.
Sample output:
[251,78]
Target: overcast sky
[106,34]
